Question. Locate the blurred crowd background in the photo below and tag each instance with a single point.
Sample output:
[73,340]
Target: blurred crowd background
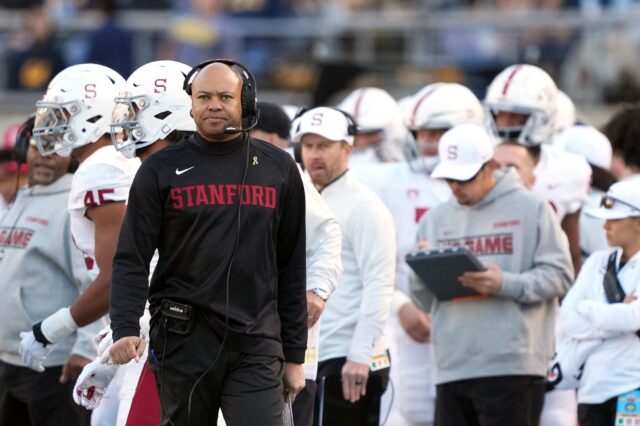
[310,52]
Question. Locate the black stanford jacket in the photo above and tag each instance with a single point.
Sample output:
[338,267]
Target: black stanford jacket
[185,202]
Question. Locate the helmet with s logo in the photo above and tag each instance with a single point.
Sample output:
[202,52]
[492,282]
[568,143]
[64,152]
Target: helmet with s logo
[76,109]
[151,106]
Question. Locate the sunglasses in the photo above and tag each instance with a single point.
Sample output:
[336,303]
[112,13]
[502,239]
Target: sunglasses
[466,181]
[609,203]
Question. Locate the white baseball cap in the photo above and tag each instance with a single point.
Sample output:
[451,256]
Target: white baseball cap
[589,142]
[462,152]
[327,122]
[620,202]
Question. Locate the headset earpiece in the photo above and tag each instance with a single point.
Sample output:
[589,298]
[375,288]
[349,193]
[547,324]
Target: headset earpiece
[23,139]
[248,94]
[352,128]
[300,113]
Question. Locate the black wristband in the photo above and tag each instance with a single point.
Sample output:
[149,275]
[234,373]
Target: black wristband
[37,332]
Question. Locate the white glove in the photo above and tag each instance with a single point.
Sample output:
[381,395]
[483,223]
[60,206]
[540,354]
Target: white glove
[104,340]
[33,353]
[145,319]
[92,383]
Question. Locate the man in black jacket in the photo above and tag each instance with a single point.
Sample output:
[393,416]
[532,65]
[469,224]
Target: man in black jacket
[228,300]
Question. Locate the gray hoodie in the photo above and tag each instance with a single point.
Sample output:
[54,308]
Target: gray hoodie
[511,333]
[41,271]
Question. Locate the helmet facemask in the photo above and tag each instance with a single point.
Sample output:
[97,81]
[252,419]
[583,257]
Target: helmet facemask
[52,130]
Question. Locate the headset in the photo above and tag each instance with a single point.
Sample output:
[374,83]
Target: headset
[23,138]
[352,127]
[248,97]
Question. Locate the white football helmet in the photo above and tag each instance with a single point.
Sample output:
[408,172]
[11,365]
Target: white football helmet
[370,107]
[523,89]
[589,142]
[151,106]
[375,110]
[443,106]
[76,109]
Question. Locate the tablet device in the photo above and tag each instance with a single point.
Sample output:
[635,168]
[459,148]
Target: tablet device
[439,270]
[334,410]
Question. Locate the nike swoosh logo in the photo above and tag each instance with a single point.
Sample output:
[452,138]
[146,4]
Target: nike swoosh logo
[136,85]
[179,172]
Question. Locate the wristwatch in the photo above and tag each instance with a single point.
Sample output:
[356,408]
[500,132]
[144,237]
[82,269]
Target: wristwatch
[320,293]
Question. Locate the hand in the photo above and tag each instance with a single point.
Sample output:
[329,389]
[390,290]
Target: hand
[630,297]
[422,245]
[293,379]
[126,349]
[73,367]
[33,353]
[354,380]
[93,382]
[485,282]
[416,323]
[315,306]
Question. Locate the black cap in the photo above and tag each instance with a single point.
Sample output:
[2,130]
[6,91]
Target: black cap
[273,119]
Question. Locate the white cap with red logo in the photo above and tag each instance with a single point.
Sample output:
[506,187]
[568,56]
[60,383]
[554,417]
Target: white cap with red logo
[330,123]
[463,150]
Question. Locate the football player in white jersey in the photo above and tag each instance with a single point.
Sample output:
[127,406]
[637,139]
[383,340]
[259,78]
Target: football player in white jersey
[381,133]
[521,104]
[594,146]
[152,112]
[408,192]
[73,118]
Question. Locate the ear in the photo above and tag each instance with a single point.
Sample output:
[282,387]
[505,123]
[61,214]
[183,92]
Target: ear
[492,165]
[348,148]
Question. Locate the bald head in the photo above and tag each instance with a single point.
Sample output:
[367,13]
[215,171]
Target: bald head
[216,101]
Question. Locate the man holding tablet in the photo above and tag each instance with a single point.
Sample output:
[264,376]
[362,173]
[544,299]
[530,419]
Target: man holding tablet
[492,352]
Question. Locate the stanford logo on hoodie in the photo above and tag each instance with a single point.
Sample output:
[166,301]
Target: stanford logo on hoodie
[483,245]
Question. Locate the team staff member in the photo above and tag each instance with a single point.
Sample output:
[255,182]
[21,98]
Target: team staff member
[226,213]
[324,245]
[613,368]
[516,236]
[352,342]
[40,272]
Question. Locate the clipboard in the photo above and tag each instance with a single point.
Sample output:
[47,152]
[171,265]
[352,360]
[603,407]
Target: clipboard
[439,270]
[334,410]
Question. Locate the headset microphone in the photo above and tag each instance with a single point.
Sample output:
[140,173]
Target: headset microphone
[232,130]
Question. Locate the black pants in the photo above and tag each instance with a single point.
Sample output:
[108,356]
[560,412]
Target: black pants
[490,401]
[598,414]
[343,412]
[29,398]
[247,388]
[304,404]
